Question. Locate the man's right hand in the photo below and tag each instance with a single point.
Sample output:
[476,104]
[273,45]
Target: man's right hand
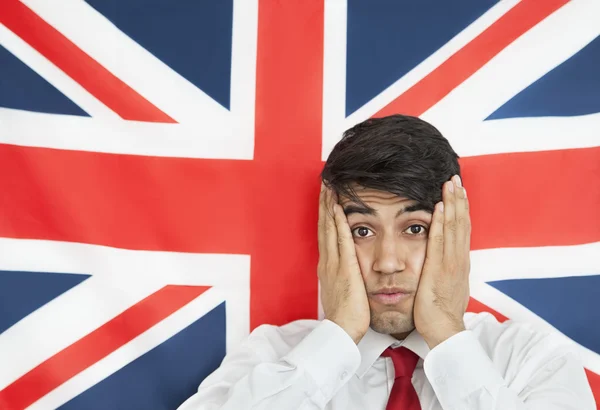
[343,293]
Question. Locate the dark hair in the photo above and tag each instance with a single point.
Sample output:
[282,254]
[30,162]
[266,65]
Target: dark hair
[399,154]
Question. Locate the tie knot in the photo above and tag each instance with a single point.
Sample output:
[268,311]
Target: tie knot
[404,360]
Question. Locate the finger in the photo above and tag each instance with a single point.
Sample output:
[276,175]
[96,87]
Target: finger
[331,237]
[463,224]
[321,224]
[449,195]
[345,241]
[435,240]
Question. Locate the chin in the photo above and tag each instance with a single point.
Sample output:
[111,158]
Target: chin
[392,322]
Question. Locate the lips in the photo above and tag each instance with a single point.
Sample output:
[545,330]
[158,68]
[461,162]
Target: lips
[391,296]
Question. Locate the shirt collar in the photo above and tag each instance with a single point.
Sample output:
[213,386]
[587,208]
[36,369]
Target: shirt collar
[373,344]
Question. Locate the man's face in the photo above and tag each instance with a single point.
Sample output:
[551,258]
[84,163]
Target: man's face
[390,246]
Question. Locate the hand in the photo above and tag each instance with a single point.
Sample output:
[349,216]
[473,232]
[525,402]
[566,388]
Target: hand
[443,292]
[343,292]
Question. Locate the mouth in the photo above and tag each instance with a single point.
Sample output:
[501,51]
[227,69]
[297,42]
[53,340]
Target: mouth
[391,296]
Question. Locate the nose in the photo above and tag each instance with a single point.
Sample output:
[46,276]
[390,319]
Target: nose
[390,255]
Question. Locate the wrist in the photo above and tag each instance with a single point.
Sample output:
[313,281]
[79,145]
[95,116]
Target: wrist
[443,333]
[354,334]
[357,337]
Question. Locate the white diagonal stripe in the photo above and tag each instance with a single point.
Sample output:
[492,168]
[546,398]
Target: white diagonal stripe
[136,348]
[133,64]
[63,321]
[120,278]
[335,58]
[49,72]
[528,58]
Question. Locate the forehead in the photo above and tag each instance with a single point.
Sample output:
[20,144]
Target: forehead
[375,197]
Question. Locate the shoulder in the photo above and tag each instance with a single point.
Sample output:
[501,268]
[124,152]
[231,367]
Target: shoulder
[490,330]
[275,341]
[516,344]
[292,332]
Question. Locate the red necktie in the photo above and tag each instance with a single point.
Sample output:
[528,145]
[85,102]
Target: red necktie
[403,395]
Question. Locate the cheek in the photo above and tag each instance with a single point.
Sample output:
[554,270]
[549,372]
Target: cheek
[364,254]
[416,256]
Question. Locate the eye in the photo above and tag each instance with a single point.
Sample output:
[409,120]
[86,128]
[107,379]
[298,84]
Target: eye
[362,232]
[416,230]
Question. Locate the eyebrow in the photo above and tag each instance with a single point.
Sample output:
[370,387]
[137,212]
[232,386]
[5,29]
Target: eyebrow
[363,210]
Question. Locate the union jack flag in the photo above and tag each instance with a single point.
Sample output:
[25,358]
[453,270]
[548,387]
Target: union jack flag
[160,166]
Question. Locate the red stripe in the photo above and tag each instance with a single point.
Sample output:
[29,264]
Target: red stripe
[97,345]
[547,198]
[96,79]
[127,201]
[466,61]
[134,202]
[594,380]
[292,130]
[476,306]
[281,209]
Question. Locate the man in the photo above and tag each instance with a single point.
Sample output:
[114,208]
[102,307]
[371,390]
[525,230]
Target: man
[394,239]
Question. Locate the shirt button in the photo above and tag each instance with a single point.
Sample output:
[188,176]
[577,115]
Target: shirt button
[344,375]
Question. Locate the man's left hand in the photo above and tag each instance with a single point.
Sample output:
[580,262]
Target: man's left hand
[443,292]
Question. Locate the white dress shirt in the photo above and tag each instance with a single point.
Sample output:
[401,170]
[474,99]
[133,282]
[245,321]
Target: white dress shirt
[309,364]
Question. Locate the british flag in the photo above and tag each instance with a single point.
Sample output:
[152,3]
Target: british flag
[159,170]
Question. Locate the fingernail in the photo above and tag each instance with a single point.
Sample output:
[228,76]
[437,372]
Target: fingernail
[441,206]
[451,186]
[458,181]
